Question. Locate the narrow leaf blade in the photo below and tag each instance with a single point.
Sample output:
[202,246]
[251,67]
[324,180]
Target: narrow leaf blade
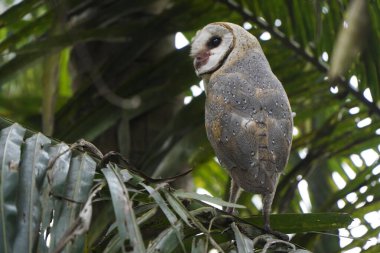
[10,140]
[242,241]
[299,223]
[34,162]
[78,185]
[206,198]
[125,217]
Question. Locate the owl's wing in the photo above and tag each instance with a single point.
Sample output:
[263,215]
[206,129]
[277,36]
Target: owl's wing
[256,126]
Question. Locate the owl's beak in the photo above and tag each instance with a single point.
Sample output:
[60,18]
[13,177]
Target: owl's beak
[201,59]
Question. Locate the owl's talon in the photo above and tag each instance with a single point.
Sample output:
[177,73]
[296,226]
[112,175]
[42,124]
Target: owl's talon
[232,211]
[277,234]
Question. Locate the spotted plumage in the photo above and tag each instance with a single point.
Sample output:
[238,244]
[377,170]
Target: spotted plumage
[247,113]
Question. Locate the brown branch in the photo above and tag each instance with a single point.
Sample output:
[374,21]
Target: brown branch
[294,46]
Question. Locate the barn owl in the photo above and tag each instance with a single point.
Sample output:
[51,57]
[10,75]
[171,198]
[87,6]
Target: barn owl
[248,117]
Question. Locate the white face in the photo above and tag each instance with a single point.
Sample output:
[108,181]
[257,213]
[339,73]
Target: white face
[210,47]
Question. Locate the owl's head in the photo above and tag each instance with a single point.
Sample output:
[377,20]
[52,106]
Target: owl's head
[211,46]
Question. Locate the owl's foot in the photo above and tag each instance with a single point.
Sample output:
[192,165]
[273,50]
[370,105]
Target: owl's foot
[277,234]
[269,241]
[232,211]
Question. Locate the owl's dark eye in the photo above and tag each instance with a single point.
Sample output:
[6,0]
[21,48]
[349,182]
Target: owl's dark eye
[214,42]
